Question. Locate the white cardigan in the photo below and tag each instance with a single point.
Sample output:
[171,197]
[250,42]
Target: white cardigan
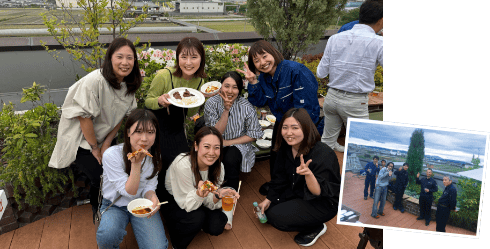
[180,183]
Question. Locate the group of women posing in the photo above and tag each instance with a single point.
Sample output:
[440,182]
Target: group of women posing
[305,186]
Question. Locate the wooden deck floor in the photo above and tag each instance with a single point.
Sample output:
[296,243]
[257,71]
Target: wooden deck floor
[73,228]
[353,197]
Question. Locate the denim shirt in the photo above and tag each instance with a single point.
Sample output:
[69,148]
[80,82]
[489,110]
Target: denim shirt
[293,85]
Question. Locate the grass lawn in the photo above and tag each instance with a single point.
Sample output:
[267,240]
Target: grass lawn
[376,116]
[230,26]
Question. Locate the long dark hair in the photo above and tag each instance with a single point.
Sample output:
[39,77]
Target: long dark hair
[133,80]
[310,133]
[189,44]
[237,78]
[258,48]
[214,170]
[143,118]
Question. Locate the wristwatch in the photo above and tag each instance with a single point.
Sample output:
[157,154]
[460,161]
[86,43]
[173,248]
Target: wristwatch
[217,196]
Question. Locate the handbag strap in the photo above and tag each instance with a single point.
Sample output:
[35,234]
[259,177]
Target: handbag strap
[100,197]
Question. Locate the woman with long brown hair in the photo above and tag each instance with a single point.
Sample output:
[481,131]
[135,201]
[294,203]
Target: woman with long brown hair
[127,179]
[93,111]
[305,187]
[191,208]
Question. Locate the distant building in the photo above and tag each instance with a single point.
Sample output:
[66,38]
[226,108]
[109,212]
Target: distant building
[199,7]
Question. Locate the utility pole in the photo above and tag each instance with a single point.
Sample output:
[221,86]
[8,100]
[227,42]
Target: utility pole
[245,25]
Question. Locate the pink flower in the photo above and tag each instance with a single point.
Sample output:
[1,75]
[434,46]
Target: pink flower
[235,51]
[146,64]
[142,72]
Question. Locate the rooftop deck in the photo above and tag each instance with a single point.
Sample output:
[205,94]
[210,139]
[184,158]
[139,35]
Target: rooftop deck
[73,228]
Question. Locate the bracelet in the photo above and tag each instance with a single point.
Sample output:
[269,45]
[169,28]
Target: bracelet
[217,196]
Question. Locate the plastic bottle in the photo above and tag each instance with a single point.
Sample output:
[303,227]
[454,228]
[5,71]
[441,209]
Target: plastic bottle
[262,217]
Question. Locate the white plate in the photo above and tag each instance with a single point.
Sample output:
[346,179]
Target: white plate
[264,123]
[198,98]
[211,83]
[138,203]
[264,144]
[267,134]
[271,118]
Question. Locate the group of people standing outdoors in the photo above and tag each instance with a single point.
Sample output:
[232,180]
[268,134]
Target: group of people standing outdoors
[382,176]
[304,191]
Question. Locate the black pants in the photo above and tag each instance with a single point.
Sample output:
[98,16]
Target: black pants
[232,161]
[398,198]
[87,164]
[183,226]
[442,215]
[425,204]
[300,215]
[370,181]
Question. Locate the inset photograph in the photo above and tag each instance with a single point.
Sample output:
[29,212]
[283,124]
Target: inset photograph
[413,177]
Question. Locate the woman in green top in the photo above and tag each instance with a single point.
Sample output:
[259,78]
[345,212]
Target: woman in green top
[188,72]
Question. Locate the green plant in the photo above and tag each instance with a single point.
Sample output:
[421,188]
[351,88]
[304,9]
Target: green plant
[86,46]
[27,148]
[348,16]
[378,78]
[293,25]
[415,154]
[322,83]
[468,201]
[223,58]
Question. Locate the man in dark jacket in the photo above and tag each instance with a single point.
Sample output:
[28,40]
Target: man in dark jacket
[427,186]
[400,185]
[371,172]
[446,203]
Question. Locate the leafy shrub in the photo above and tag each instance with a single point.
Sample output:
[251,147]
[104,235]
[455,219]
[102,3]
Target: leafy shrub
[29,140]
[348,16]
[378,78]
[468,201]
[223,58]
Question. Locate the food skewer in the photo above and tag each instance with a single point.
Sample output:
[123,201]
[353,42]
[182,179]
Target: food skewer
[234,205]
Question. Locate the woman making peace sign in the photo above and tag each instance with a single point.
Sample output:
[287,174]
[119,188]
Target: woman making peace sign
[305,186]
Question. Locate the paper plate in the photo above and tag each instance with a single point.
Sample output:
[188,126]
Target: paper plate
[264,123]
[267,134]
[271,118]
[264,144]
[189,102]
[204,88]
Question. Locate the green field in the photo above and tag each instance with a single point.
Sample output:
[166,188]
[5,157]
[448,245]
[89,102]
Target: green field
[228,26]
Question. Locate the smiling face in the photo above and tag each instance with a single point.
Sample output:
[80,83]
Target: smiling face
[265,63]
[292,133]
[229,89]
[142,137]
[446,181]
[429,173]
[208,150]
[405,167]
[122,62]
[189,62]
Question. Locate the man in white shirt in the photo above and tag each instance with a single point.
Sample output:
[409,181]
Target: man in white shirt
[351,58]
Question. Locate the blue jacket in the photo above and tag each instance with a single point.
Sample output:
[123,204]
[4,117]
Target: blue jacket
[374,169]
[348,26]
[448,197]
[293,85]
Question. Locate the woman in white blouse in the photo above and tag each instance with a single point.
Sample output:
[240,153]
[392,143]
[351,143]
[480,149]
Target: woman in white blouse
[93,111]
[237,120]
[193,209]
[125,180]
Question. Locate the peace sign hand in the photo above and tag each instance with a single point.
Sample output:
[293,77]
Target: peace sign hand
[303,167]
[227,103]
[249,75]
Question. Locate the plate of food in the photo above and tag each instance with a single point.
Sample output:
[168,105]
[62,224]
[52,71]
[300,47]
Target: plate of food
[211,87]
[264,123]
[264,144]
[271,118]
[186,97]
[140,207]
[267,134]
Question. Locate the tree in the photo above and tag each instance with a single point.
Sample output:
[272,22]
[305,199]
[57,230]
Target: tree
[295,24]
[475,161]
[415,154]
[79,36]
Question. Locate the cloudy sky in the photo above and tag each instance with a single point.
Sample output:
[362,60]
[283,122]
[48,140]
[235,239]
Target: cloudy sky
[450,144]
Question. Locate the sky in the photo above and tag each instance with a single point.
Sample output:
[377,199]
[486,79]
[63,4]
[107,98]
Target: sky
[456,145]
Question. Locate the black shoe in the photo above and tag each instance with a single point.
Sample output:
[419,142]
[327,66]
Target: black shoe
[308,239]
[365,197]
[402,210]
[420,218]
[427,222]
[264,189]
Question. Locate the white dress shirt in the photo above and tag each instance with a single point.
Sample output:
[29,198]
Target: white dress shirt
[351,58]
[115,177]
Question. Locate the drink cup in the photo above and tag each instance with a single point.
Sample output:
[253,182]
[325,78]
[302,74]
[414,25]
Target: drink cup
[263,114]
[228,200]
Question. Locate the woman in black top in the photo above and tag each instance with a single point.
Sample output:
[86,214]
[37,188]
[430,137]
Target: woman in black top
[305,186]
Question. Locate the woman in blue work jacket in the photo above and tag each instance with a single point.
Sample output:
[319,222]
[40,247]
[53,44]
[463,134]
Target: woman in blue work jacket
[281,85]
